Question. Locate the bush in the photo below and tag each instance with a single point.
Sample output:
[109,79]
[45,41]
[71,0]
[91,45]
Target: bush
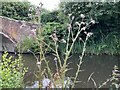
[28,43]
[11,72]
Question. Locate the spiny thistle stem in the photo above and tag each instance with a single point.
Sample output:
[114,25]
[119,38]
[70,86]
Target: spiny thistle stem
[68,51]
[56,51]
[80,62]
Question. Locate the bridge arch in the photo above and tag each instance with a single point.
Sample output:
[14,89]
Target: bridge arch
[8,44]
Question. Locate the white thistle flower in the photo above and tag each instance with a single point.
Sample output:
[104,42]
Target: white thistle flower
[69,14]
[80,38]
[85,32]
[73,17]
[29,14]
[55,59]
[82,15]
[89,34]
[38,63]
[45,82]
[63,40]
[92,21]
[77,23]
[83,23]
[84,28]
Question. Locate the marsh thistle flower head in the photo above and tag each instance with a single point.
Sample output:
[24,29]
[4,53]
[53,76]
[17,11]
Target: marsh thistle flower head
[92,21]
[89,34]
[84,28]
[82,15]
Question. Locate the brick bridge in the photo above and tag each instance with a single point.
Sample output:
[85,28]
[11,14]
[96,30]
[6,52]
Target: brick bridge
[13,31]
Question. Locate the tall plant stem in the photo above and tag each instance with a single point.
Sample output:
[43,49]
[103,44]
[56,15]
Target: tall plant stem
[69,51]
[80,62]
[56,51]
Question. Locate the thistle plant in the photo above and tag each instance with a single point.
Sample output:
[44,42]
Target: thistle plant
[115,78]
[57,78]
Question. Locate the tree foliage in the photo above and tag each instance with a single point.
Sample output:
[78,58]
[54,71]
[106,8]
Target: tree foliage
[16,10]
[106,14]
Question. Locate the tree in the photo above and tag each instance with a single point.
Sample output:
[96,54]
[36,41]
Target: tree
[16,10]
[105,13]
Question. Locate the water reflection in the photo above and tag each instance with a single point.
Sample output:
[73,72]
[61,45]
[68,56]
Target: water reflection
[101,66]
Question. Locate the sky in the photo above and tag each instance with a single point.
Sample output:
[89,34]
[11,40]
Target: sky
[48,4]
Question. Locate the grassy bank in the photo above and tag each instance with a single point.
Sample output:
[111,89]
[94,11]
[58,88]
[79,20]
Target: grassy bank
[110,46]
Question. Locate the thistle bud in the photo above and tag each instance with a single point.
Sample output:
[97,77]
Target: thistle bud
[40,4]
[30,16]
[31,9]
[80,38]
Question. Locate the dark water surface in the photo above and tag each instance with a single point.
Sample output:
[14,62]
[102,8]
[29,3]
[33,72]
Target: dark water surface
[100,65]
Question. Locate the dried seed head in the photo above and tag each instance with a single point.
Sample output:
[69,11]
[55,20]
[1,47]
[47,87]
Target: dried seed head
[56,76]
[54,37]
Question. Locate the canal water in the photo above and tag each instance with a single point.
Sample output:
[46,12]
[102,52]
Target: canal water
[100,65]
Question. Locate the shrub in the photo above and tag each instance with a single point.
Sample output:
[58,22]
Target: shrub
[11,72]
